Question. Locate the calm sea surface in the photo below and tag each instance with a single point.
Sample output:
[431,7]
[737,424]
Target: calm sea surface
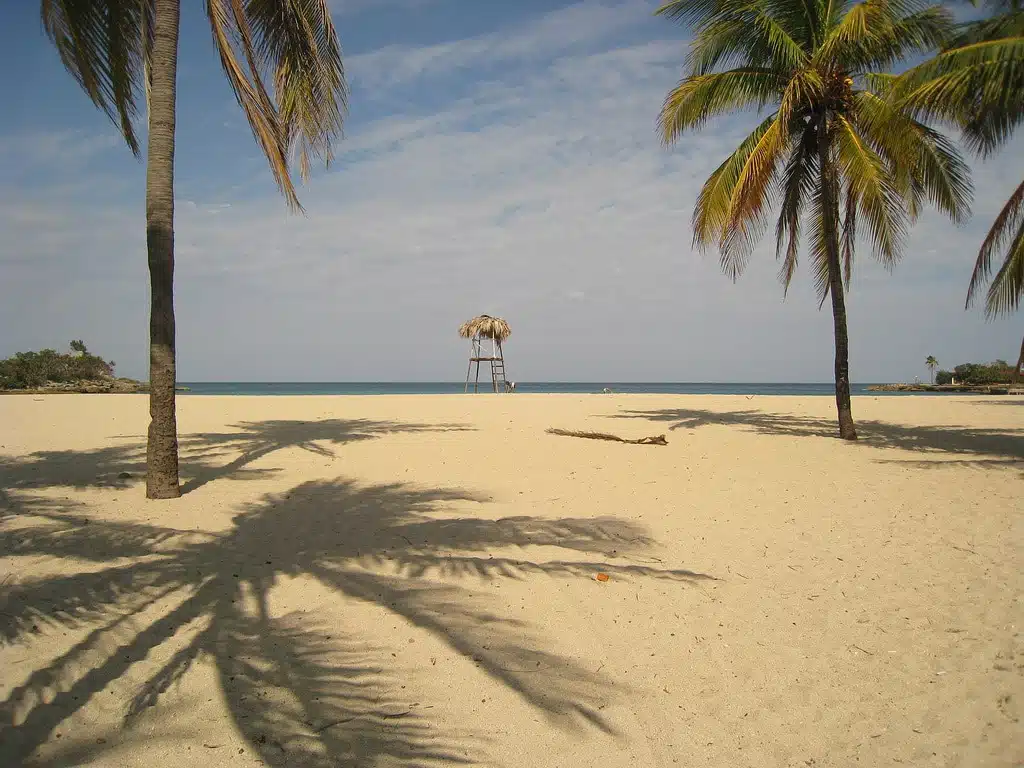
[445,388]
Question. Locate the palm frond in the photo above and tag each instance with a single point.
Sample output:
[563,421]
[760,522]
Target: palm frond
[805,87]
[233,39]
[698,11]
[797,184]
[922,162]
[849,234]
[104,45]
[711,213]
[297,42]
[1006,22]
[750,36]
[877,35]
[872,192]
[699,98]
[295,45]
[824,215]
[979,87]
[747,216]
[1002,295]
[1008,285]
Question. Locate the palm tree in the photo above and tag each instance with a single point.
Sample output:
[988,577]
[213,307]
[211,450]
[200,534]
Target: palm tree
[932,364]
[118,50]
[832,153]
[977,83]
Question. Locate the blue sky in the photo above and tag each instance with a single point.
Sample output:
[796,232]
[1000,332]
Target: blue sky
[500,158]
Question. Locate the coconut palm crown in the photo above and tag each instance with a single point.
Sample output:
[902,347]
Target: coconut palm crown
[835,156]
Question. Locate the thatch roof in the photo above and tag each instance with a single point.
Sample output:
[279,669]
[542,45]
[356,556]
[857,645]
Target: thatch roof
[486,327]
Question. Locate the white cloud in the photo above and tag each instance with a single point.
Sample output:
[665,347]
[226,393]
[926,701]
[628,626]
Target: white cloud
[541,194]
[54,149]
[566,28]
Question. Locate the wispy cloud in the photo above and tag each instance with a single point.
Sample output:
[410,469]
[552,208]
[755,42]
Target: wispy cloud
[54,149]
[558,31]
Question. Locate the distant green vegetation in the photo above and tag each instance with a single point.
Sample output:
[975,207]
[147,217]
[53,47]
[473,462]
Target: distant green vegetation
[999,372]
[32,370]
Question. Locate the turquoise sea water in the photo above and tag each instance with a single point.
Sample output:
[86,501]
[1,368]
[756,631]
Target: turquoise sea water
[444,388]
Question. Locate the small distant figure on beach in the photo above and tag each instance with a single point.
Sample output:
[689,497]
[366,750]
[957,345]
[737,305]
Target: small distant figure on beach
[606,391]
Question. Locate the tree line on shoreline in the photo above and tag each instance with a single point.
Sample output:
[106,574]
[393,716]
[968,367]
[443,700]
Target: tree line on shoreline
[849,152]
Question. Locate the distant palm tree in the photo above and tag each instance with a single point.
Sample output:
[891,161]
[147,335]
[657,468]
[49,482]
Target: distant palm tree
[977,83]
[932,364]
[832,153]
[120,49]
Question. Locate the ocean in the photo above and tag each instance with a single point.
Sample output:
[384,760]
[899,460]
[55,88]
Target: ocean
[571,387]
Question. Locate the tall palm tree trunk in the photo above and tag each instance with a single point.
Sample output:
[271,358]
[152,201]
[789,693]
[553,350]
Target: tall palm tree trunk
[830,206]
[1020,363]
[162,448]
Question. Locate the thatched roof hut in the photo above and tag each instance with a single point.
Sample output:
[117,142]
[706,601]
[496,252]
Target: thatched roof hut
[485,327]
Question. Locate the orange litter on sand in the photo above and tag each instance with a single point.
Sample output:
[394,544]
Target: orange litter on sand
[603,577]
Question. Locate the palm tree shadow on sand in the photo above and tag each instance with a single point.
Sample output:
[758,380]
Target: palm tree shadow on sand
[205,456]
[943,445]
[301,693]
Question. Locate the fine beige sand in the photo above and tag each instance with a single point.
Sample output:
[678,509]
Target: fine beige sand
[396,581]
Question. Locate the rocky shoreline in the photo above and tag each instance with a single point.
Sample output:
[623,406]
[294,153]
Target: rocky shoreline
[967,389]
[98,386]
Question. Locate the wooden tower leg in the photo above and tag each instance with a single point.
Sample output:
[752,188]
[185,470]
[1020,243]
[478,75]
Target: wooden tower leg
[469,369]
[476,384]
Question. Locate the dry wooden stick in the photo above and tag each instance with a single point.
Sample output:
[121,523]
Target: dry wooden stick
[655,440]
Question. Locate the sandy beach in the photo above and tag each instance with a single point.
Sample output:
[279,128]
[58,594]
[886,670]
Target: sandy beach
[394,581]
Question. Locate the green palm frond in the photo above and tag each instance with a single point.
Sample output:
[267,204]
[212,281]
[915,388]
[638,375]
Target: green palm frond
[293,45]
[877,35]
[233,38]
[797,185]
[871,191]
[697,99]
[104,44]
[297,42]
[849,234]
[805,87]
[752,36]
[979,87]
[922,162]
[1007,21]
[694,12]
[711,215]
[747,215]
[1007,286]
[824,220]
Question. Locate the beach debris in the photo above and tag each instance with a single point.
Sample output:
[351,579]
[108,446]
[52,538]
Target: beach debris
[602,576]
[654,440]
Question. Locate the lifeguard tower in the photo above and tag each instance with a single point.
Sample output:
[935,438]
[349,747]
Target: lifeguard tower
[486,335]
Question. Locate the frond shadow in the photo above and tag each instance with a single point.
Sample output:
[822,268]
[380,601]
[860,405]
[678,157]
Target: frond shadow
[205,457]
[993,447]
[303,694]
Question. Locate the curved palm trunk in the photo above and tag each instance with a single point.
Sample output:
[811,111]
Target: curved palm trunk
[830,204]
[162,448]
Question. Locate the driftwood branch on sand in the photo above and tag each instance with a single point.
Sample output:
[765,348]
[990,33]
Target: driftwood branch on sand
[655,440]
